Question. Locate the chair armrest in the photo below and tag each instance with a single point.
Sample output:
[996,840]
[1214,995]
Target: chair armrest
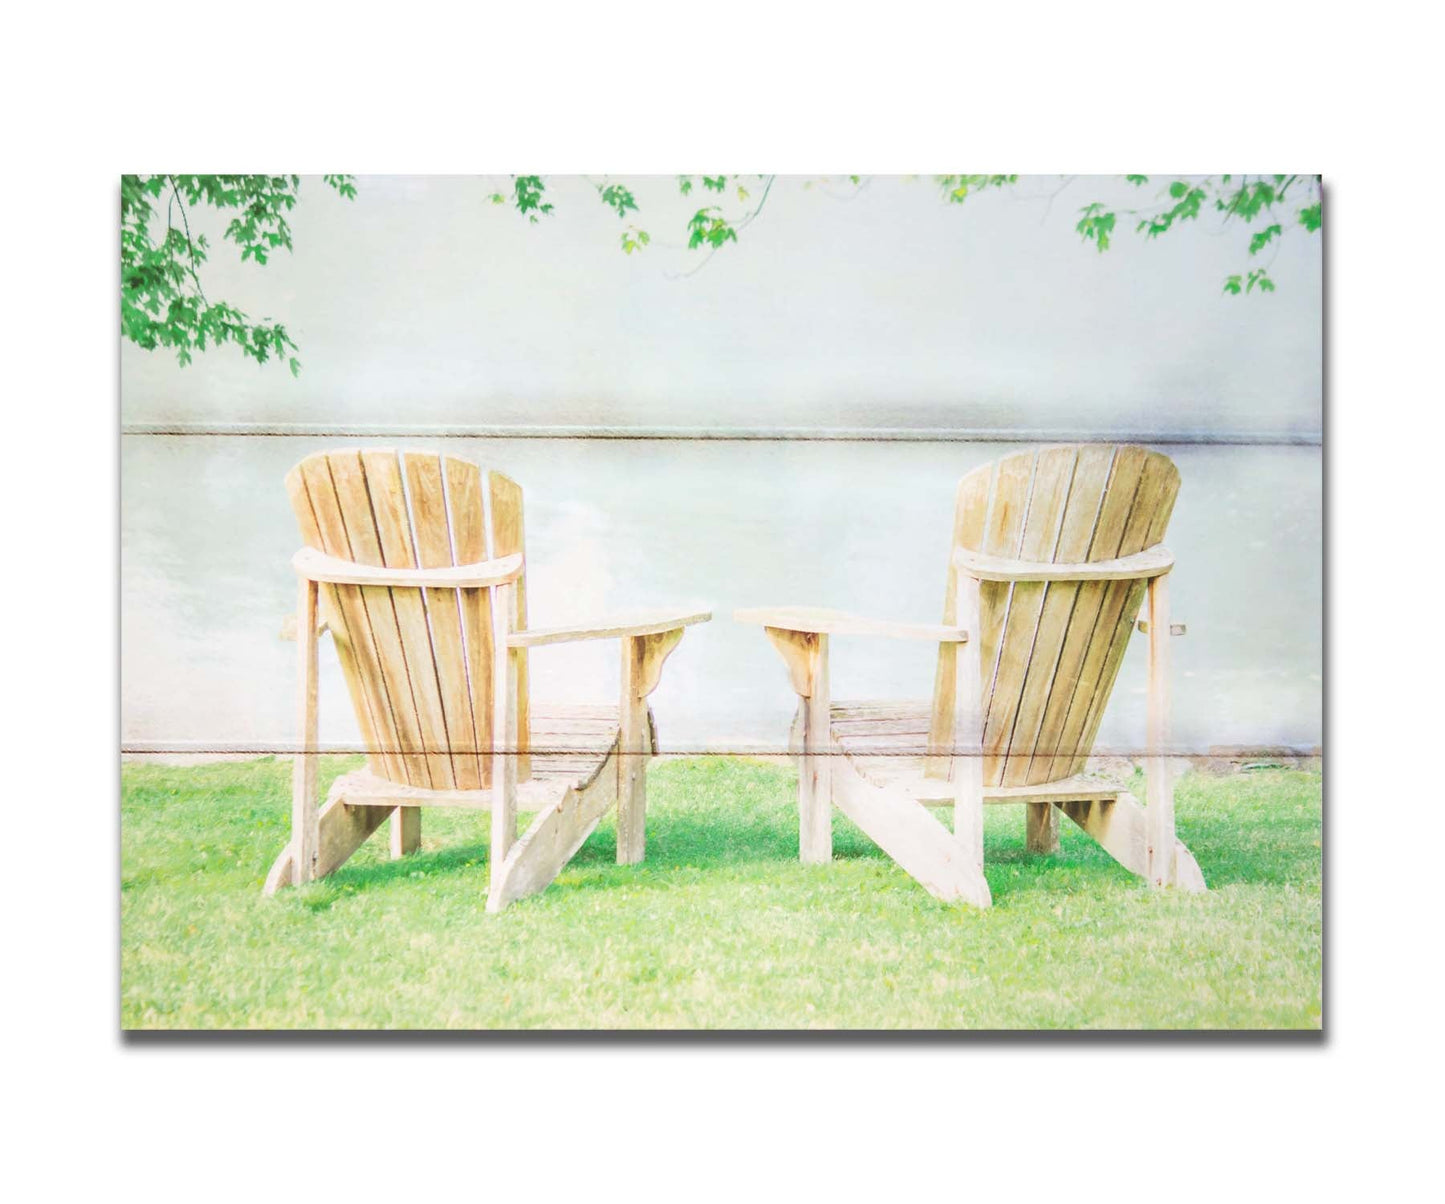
[644,622]
[816,620]
[1151,562]
[318,566]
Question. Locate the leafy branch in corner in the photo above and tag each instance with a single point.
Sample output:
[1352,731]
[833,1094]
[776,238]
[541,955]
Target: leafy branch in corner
[1244,198]
[162,301]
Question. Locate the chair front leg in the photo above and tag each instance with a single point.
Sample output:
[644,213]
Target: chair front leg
[642,658]
[505,673]
[968,729]
[305,837]
[806,655]
[1159,812]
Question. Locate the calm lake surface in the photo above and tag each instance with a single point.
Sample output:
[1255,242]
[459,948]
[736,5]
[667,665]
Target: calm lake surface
[207,535]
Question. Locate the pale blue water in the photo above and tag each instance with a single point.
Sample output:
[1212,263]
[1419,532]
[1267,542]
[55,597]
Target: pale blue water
[207,535]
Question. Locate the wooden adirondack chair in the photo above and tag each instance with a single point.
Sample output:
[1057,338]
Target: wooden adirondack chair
[416,563]
[1053,553]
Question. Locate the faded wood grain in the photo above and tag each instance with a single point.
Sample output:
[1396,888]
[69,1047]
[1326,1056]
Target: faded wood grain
[923,848]
[968,757]
[443,612]
[815,774]
[1038,541]
[554,837]
[1148,521]
[313,500]
[640,623]
[382,474]
[509,538]
[970,511]
[1055,751]
[1151,562]
[1002,536]
[505,742]
[1158,779]
[319,567]
[1076,534]
[1120,827]
[466,512]
[642,660]
[341,830]
[354,504]
[1041,828]
[304,829]
[405,832]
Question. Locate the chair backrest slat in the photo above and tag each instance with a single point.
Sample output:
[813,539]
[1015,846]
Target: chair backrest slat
[1051,650]
[394,536]
[418,662]
[313,501]
[1018,607]
[444,607]
[1147,522]
[1077,532]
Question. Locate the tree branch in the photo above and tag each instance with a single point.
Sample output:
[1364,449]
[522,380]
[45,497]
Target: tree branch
[190,246]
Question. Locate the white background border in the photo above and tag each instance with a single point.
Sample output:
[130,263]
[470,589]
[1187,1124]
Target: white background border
[899,87]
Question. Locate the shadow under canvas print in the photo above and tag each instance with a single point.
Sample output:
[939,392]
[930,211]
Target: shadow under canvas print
[721,602]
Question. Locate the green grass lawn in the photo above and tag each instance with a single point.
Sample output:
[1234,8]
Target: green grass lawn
[721,927]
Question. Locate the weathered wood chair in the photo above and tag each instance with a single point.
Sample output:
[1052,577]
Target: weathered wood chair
[1053,552]
[416,563]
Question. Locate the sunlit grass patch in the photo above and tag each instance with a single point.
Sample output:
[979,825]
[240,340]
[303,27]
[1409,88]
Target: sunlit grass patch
[720,927]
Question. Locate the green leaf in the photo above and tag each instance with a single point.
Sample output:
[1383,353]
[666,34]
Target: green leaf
[1248,200]
[1190,200]
[956,188]
[708,226]
[1261,239]
[1261,278]
[1096,225]
[527,192]
[1311,216]
[634,239]
[1257,278]
[619,198]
